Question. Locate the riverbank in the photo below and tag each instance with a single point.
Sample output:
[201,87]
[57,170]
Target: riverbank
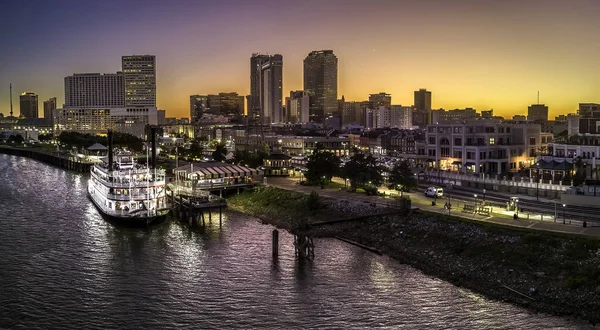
[500,262]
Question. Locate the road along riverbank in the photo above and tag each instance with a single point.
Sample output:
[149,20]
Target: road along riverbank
[547,272]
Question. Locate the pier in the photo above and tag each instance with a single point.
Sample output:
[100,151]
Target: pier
[55,159]
[194,205]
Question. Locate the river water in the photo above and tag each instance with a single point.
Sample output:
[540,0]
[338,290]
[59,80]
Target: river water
[62,266]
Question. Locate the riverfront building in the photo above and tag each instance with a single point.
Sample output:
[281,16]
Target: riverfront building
[483,146]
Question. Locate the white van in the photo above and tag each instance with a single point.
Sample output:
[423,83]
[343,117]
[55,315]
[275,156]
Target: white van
[434,192]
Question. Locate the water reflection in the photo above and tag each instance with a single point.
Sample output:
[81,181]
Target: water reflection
[63,266]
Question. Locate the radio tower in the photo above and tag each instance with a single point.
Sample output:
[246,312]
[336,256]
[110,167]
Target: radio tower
[11,112]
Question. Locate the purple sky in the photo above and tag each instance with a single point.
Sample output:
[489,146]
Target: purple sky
[478,53]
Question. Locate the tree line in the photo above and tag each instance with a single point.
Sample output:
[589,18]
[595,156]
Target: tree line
[361,171]
[79,140]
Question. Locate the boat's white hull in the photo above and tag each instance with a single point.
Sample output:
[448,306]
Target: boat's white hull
[139,217]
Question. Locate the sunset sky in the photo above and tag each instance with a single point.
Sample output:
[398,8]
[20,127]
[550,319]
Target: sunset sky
[469,53]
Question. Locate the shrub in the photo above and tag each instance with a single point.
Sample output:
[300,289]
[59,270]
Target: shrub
[313,201]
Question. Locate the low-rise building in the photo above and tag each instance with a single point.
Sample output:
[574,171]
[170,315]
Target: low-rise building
[292,145]
[277,164]
[484,146]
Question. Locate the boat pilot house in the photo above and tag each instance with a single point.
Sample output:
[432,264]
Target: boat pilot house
[216,174]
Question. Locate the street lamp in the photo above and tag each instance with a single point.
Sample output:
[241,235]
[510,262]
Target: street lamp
[564,208]
[417,176]
[484,196]
[475,195]
[517,207]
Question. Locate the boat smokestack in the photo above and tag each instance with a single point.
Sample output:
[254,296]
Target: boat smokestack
[153,140]
[110,150]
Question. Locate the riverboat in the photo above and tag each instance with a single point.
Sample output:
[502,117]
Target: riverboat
[127,192]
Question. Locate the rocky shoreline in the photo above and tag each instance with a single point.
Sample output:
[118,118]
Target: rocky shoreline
[500,262]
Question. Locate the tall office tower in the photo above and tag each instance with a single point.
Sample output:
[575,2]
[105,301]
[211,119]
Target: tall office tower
[198,107]
[297,105]
[29,105]
[266,88]
[320,83]
[49,107]
[253,100]
[380,100]
[537,112]
[140,80]
[95,90]
[422,108]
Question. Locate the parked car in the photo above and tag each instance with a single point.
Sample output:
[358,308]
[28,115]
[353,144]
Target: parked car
[434,192]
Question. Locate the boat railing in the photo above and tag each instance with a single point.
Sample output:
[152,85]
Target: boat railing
[141,196]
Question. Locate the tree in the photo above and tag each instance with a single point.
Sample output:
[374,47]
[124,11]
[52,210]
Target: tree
[401,177]
[362,171]
[195,150]
[17,138]
[250,159]
[321,166]
[219,153]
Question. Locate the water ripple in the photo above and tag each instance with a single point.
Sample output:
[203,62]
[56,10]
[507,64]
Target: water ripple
[64,267]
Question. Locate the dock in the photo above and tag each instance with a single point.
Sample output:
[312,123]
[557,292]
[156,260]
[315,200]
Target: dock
[64,161]
[191,205]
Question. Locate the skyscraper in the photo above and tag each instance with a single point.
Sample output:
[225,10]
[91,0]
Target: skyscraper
[95,90]
[253,100]
[537,112]
[422,107]
[49,107]
[28,105]
[140,80]
[266,88]
[320,83]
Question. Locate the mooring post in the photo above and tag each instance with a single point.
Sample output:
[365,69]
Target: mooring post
[275,243]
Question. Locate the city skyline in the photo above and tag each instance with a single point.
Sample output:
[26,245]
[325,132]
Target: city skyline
[480,54]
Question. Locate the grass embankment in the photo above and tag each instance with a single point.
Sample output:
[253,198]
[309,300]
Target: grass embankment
[488,258]
[288,209]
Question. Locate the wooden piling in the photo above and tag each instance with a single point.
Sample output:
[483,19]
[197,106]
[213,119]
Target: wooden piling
[275,243]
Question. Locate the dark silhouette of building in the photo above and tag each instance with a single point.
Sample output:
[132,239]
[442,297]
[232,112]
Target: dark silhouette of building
[320,83]
[422,106]
[49,107]
[28,105]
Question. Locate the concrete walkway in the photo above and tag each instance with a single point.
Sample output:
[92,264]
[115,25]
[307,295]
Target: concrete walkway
[498,215]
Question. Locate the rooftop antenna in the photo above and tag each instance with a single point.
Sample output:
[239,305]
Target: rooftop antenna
[538,97]
[11,109]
